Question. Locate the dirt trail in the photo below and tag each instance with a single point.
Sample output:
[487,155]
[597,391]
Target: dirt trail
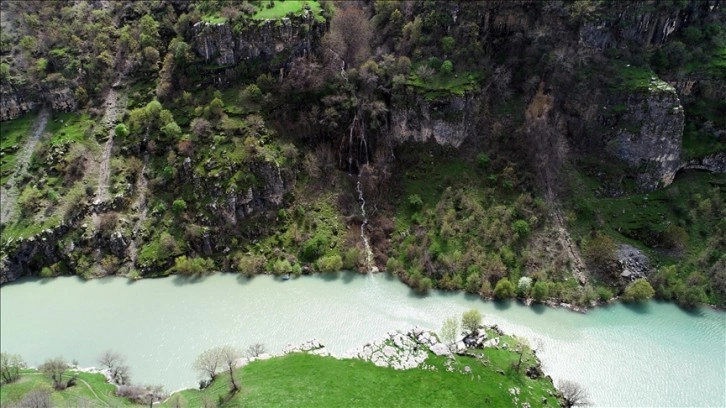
[140,207]
[579,270]
[115,103]
[9,193]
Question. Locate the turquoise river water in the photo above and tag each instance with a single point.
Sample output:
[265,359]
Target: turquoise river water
[650,355]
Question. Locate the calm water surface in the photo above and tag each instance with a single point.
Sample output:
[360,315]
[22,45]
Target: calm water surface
[654,355]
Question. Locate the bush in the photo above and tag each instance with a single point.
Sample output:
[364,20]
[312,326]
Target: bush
[600,250]
[330,264]
[282,267]
[504,289]
[313,248]
[193,266]
[523,286]
[121,131]
[540,291]
[414,202]
[447,67]
[178,206]
[637,291]
[250,265]
[604,294]
[521,227]
[471,320]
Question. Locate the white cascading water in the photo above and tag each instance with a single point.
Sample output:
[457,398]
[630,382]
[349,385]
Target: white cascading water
[366,245]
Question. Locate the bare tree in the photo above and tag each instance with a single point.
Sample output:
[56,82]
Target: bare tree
[55,368]
[521,349]
[38,398]
[114,362]
[207,362]
[255,350]
[573,393]
[229,355]
[152,394]
[10,366]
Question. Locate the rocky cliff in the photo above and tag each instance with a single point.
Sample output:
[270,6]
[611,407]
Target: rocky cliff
[226,44]
[448,120]
[647,134]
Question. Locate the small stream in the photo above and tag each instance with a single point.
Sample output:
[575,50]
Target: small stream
[650,355]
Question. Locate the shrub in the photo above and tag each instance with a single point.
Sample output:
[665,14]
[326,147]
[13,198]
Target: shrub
[521,227]
[193,266]
[313,248]
[281,267]
[447,67]
[250,265]
[604,293]
[121,131]
[414,202]
[504,289]
[637,291]
[178,206]
[540,291]
[523,286]
[471,320]
[600,250]
[331,263]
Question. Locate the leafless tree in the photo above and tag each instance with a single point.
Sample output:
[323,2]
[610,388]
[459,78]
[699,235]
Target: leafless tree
[521,349]
[229,355]
[573,393]
[55,368]
[39,398]
[207,363]
[114,362]
[255,350]
[152,394]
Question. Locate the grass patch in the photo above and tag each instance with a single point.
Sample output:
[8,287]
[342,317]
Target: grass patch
[440,85]
[628,78]
[69,128]
[281,9]
[100,392]
[304,380]
[13,134]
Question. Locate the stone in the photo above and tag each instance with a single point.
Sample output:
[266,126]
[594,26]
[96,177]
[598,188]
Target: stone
[440,349]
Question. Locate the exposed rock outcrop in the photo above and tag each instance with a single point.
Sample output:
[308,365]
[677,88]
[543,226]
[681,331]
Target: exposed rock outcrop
[265,39]
[715,163]
[13,103]
[446,120]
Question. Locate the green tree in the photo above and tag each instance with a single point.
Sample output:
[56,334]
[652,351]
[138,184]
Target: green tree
[521,227]
[504,289]
[178,206]
[121,131]
[471,320]
[449,331]
[637,291]
[447,67]
[540,291]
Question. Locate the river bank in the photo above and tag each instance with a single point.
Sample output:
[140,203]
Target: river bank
[163,324]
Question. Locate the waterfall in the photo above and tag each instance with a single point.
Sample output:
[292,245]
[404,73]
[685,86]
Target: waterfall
[366,245]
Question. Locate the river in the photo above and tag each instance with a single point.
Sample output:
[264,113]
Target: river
[650,355]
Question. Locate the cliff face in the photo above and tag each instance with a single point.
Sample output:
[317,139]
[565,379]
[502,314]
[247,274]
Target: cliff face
[225,46]
[13,103]
[648,135]
[447,121]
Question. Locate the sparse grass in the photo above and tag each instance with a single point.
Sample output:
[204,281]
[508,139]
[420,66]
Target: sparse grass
[13,134]
[304,380]
[77,395]
[283,8]
[442,85]
[630,78]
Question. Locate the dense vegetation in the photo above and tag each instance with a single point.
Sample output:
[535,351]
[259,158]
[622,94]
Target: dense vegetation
[251,164]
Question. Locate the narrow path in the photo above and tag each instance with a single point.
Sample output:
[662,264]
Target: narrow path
[140,207]
[9,194]
[93,392]
[573,253]
[115,102]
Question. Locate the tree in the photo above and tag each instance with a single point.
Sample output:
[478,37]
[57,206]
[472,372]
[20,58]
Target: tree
[207,363]
[330,264]
[522,347]
[449,331]
[471,320]
[447,67]
[178,206]
[55,368]
[523,286]
[504,289]
[600,250]
[229,355]
[348,41]
[540,290]
[573,393]
[637,291]
[10,366]
[255,350]
[121,131]
[114,363]
[152,394]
